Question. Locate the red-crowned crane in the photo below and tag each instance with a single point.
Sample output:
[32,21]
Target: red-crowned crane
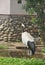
[28,40]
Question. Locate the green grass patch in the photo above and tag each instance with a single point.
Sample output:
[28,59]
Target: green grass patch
[19,61]
[3,47]
[43,50]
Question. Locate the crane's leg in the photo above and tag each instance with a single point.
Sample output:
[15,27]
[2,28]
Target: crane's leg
[27,52]
[30,52]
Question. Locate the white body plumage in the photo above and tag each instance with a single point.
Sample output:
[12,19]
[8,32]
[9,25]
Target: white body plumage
[27,37]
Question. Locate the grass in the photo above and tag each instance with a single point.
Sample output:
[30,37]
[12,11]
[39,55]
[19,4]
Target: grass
[19,61]
[43,50]
[3,47]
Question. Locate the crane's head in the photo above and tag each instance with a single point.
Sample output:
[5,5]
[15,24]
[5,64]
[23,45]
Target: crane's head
[23,27]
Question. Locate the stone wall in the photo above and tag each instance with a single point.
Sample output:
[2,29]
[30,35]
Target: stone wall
[10,27]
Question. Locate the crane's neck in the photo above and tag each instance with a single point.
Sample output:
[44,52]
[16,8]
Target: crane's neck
[23,30]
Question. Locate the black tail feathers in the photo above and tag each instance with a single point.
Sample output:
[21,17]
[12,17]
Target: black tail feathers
[31,46]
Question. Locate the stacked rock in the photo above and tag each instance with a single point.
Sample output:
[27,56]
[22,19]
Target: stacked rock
[10,29]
